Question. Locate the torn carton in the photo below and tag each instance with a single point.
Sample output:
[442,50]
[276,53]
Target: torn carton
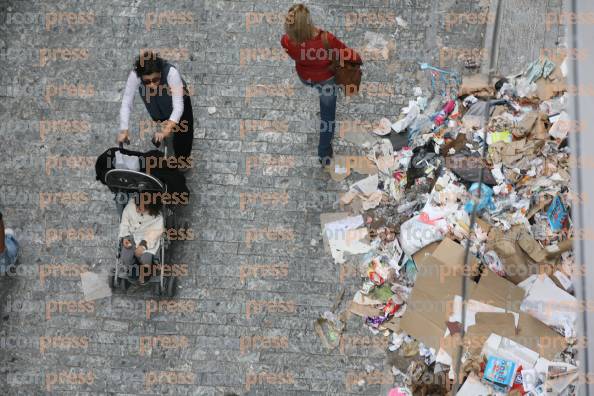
[346,236]
[477,85]
[342,166]
[550,304]
[517,263]
[439,280]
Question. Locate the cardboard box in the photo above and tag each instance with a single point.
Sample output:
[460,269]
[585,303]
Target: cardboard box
[428,250]
[534,334]
[502,324]
[497,291]
[431,304]
[439,280]
[518,264]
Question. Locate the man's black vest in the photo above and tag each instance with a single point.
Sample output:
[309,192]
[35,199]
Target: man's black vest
[159,102]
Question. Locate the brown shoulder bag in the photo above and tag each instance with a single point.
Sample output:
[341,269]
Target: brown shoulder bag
[347,71]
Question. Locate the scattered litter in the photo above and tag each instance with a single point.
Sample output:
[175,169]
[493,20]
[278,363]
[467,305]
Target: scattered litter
[406,227]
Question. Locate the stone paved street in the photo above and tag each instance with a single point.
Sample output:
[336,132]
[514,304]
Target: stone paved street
[261,139]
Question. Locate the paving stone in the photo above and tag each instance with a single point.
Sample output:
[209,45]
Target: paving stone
[214,40]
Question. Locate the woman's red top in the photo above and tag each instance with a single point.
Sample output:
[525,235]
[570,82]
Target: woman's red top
[311,58]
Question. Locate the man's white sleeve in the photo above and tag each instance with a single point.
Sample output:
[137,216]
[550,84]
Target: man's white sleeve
[132,85]
[177,91]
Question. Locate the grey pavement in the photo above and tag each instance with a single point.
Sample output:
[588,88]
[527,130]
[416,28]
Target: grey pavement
[261,139]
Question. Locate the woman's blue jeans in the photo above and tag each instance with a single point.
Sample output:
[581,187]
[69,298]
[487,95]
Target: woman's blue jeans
[9,256]
[327,90]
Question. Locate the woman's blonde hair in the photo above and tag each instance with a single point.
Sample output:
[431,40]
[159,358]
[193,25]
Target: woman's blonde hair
[298,24]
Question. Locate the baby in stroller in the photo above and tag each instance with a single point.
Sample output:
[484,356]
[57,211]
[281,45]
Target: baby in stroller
[148,197]
[141,227]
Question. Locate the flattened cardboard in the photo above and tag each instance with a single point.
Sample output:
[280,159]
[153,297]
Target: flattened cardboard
[426,325]
[546,89]
[350,163]
[452,254]
[439,279]
[539,131]
[392,324]
[419,256]
[539,337]
[502,324]
[495,290]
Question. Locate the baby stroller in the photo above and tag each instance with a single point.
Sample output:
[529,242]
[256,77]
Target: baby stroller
[125,182]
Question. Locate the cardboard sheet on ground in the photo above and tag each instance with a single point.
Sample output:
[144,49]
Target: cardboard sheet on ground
[439,280]
[474,307]
[539,337]
[497,291]
[428,250]
[346,236]
[342,166]
[326,218]
[502,324]
[530,332]
[94,286]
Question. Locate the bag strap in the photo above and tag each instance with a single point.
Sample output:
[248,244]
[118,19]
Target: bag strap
[325,40]
[334,62]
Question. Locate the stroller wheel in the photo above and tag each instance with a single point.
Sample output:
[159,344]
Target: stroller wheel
[171,286]
[123,284]
[113,282]
[157,288]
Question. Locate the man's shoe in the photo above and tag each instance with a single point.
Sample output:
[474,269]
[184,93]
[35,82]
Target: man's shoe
[326,161]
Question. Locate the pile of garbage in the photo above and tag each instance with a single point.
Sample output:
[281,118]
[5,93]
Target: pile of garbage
[470,186]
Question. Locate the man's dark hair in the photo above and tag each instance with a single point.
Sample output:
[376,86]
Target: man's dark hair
[147,63]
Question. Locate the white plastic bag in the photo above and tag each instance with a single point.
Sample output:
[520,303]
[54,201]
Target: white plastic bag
[415,235]
[129,162]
